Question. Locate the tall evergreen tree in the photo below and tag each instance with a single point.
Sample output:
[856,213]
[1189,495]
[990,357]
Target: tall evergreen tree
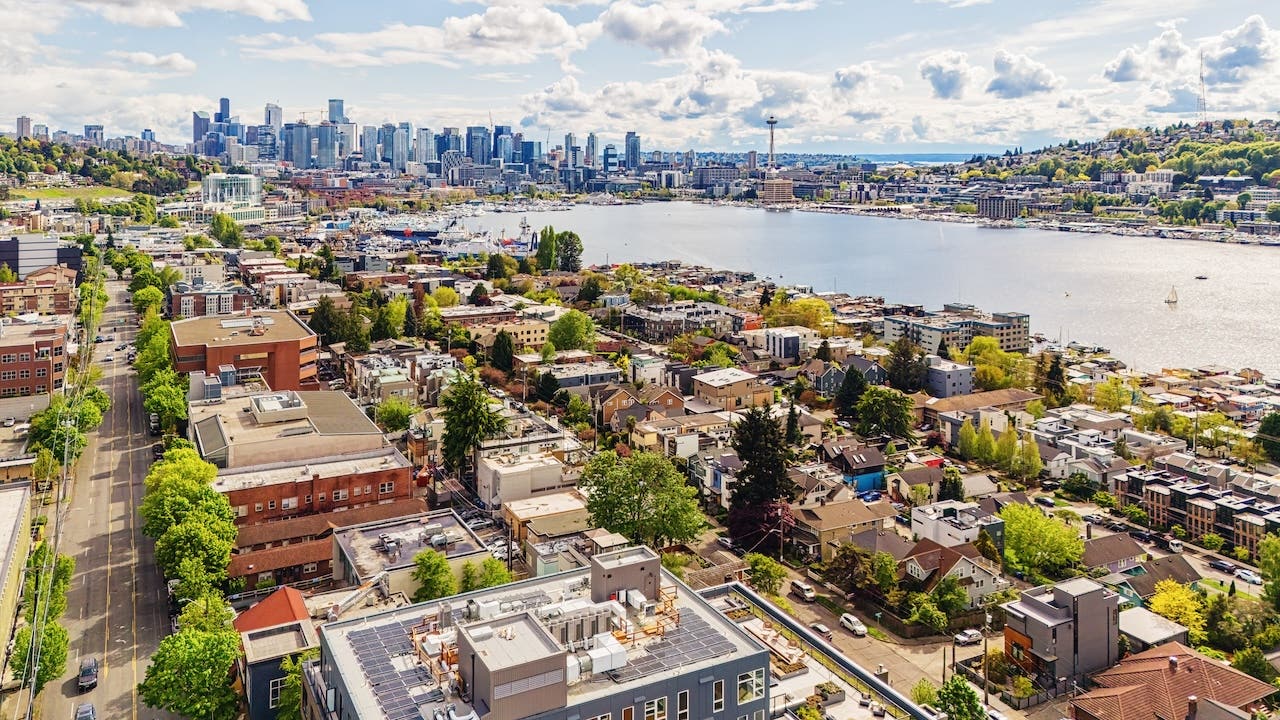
[794,437]
[758,511]
[850,392]
[824,351]
[503,355]
[906,368]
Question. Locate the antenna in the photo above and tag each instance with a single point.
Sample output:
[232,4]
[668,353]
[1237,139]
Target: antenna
[1202,104]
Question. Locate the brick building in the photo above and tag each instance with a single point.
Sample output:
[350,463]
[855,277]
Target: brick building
[194,300]
[32,358]
[48,291]
[274,343]
[280,491]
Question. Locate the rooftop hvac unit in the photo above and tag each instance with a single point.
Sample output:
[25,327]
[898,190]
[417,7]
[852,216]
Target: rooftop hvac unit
[635,598]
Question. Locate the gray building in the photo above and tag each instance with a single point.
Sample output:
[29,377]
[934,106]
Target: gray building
[259,666]
[945,378]
[1068,630]
[620,640]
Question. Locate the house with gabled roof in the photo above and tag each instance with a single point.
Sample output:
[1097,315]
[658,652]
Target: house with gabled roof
[928,563]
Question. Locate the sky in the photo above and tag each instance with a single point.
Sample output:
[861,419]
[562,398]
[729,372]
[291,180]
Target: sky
[843,76]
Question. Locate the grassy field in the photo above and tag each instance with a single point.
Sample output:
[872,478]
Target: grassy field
[1242,587]
[91,192]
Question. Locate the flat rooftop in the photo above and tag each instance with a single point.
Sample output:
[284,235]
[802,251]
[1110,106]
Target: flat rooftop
[231,330]
[366,546]
[380,667]
[327,412]
[15,502]
[543,505]
[723,377]
[12,333]
[286,472]
[276,642]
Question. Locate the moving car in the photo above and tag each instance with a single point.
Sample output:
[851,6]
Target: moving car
[1249,576]
[803,590]
[821,630]
[88,678]
[108,357]
[153,424]
[86,712]
[850,622]
[9,422]
[1222,566]
[968,637]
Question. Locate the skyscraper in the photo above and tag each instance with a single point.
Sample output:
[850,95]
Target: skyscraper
[479,147]
[274,117]
[40,132]
[499,131]
[424,146]
[268,143]
[386,141]
[610,159]
[224,111]
[570,140]
[297,144]
[326,145]
[148,135]
[504,148]
[348,139]
[93,134]
[24,127]
[530,151]
[199,125]
[589,159]
[369,143]
[449,139]
[632,150]
[400,148]
[336,112]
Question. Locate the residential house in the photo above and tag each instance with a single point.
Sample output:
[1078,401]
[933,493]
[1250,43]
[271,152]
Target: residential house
[901,482]
[1064,631]
[820,529]
[944,378]
[828,383]
[926,564]
[731,389]
[1008,399]
[1116,553]
[1145,629]
[1171,682]
[872,371]
[862,465]
[1138,584]
[715,475]
[276,628]
[954,522]
[885,541]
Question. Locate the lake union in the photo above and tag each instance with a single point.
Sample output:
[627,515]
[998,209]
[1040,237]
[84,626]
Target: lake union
[1104,290]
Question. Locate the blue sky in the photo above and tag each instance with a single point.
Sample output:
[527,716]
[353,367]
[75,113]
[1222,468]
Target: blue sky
[841,75]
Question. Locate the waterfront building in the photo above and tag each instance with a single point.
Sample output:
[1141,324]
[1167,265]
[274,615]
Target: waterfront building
[956,325]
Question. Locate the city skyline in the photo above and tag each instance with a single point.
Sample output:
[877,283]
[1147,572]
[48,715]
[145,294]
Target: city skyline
[950,75]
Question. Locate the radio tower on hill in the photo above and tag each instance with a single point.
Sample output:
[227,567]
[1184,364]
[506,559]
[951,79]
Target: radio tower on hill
[1202,104]
[772,121]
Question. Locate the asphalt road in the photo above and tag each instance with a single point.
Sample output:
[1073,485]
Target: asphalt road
[116,607]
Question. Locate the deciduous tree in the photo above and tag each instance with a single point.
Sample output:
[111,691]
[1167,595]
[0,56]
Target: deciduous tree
[765,573]
[1182,605]
[393,413]
[290,703]
[1037,543]
[434,576]
[642,497]
[573,330]
[190,675]
[959,700]
[884,410]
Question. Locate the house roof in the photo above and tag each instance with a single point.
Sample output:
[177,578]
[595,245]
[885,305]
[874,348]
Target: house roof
[317,525]
[1172,567]
[282,606]
[1166,676]
[833,516]
[993,504]
[278,558]
[1148,627]
[875,541]
[937,560]
[862,364]
[974,401]
[923,475]
[1104,550]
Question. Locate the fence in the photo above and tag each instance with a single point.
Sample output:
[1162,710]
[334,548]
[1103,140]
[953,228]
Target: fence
[974,675]
[896,624]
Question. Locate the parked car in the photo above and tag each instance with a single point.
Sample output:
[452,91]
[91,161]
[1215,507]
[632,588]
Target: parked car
[803,590]
[480,524]
[153,424]
[86,712]
[1095,519]
[157,451]
[725,542]
[821,630]
[1222,566]
[968,637]
[88,679]
[993,714]
[1249,576]
[850,622]
[1141,535]
[10,422]
[1117,527]
[1046,501]
[108,358]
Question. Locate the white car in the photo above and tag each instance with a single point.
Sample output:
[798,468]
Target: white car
[108,358]
[850,622]
[1249,576]
[968,637]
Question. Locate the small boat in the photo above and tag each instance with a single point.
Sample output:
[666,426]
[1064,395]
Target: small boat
[1202,277]
[1173,297]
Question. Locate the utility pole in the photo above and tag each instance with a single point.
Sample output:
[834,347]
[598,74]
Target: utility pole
[986,628]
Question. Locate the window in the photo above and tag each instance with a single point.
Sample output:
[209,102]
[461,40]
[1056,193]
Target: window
[306,500]
[257,507]
[266,578]
[757,715]
[273,692]
[309,568]
[751,686]
[682,705]
[339,495]
[242,510]
[717,696]
[8,358]
[656,709]
[24,357]
[606,716]
[368,489]
[289,503]
[42,372]
[271,504]
[24,374]
[321,497]
[57,367]
[9,375]
[40,389]
[386,487]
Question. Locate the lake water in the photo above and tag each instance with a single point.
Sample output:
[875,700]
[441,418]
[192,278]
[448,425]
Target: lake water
[1098,289]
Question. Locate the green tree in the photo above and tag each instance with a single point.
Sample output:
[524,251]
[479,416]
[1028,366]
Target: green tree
[445,297]
[1035,409]
[1030,463]
[545,256]
[884,410]
[393,413]
[924,693]
[906,368]
[7,275]
[762,488]
[200,536]
[959,700]
[492,573]
[573,331]
[53,641]
[468,420]
[1007,450]
[949,596]
[226,231]
[1252,661]
[46,466]
[1212,541]
[569,251]
[1112,395]
[1269,566]
[952,485]
[984,447]
[1033,542]
[765,573]
[1269,435]
[987,547]
[502,357]
[548,352]
[967,445]
[468,577]
[1182,605]
[289,706]
[147,298]
[434,576]
[207,613]
[642,497]
[850,392]
[171,502]
[924,612]
[548,386]
[190,675]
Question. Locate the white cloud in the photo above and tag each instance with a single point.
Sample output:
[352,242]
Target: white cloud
[956,3]
[669,30]
[1159,58]
[1241,52]
[168,13]
[175,62]
[948,73]
[1018,76]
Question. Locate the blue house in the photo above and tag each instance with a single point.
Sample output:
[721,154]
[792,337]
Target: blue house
[873,371]
[862,466]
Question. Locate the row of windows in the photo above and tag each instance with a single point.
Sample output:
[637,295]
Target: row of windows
[657,709]
[22,374]
[23,391]
[11,358]
[291,503]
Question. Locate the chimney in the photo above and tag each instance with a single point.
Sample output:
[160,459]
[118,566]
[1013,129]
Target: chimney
[1191,707]
[1173,663]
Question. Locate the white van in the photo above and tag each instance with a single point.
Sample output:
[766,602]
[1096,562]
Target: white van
[803,590]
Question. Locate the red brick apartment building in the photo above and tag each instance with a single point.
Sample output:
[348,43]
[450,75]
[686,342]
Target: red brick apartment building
[48,291]
[275,343]
[32,358]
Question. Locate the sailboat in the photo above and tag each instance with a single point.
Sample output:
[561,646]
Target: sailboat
[1173,297]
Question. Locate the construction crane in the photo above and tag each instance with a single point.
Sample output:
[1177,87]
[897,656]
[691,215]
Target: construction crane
[302,115]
